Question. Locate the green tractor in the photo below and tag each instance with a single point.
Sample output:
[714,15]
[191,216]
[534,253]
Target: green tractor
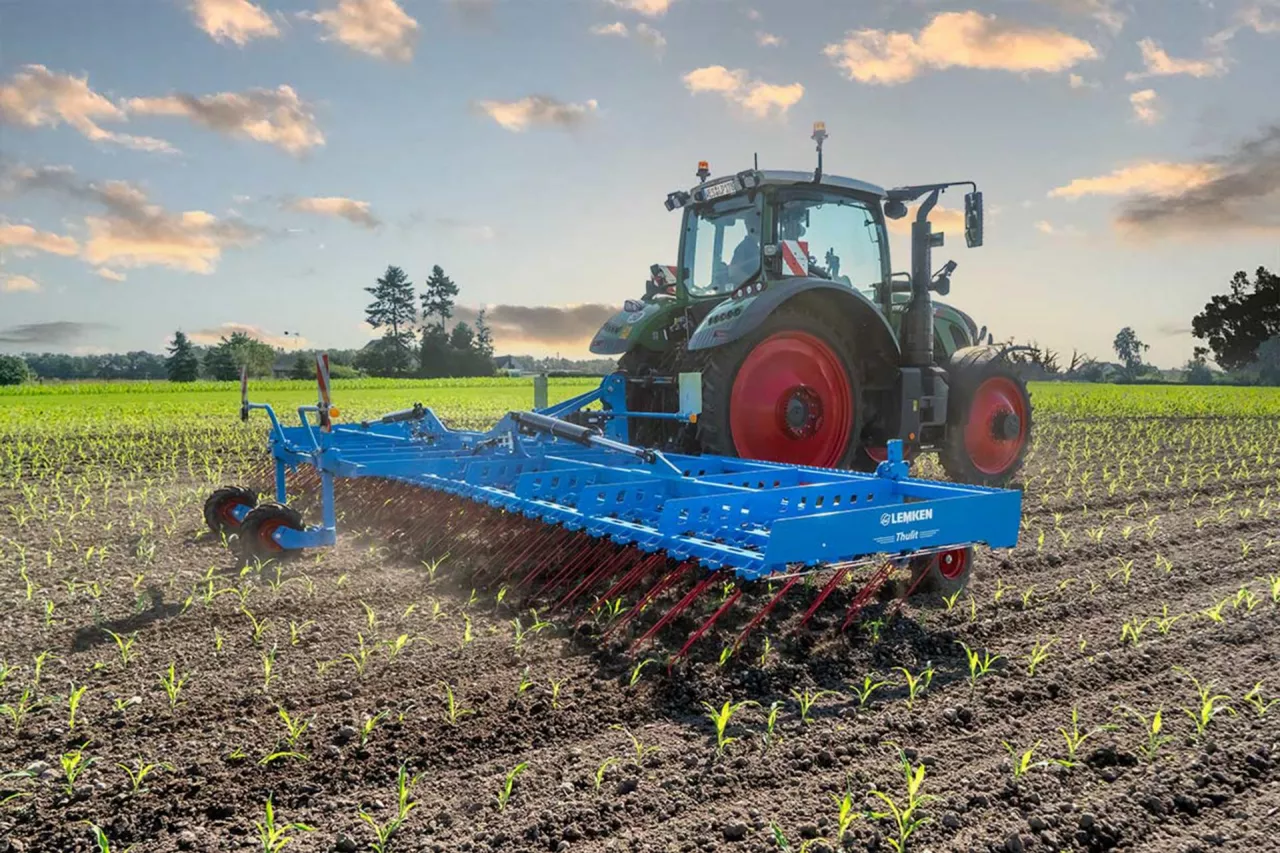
[784,335]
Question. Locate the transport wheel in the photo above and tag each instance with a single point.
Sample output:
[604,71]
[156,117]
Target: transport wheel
[787,392]
[945,573]
[869,456]
[218,508]
[988,421]
[255,542]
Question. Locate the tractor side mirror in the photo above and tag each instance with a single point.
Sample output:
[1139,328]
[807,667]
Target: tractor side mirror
[973,219]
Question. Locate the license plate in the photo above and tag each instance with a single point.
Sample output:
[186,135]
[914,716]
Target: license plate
[721,189]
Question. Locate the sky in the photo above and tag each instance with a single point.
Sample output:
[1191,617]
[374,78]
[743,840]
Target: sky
[215,165]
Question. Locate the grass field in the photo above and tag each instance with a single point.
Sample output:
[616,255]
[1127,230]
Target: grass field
[152,686]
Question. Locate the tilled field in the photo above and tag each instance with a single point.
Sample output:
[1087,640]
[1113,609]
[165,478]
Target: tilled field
[1149,564]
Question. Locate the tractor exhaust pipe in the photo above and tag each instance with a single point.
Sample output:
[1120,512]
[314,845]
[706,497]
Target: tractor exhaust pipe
[917,322]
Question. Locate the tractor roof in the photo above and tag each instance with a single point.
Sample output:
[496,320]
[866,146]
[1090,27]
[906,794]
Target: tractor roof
[779,176]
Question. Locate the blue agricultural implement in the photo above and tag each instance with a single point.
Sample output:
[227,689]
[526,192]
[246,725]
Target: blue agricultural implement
[555,504]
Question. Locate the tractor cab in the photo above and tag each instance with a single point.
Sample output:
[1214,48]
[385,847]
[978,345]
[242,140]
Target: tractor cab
[800,345]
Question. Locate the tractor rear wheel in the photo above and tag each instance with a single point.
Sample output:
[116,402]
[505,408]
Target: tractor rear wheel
[988,420]
[219,505]
[945,573]
[254,541]
[786,392]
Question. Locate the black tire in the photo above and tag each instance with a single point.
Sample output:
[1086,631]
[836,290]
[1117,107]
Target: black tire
[638,363]
[721,365]
[254,541]
[972,371]
[218,504]
[942,574]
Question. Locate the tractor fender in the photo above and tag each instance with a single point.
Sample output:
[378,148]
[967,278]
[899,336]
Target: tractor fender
[736,317]
[626,330]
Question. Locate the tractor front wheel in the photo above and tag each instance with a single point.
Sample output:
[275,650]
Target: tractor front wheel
[255,541]
[220,506]
[988,421]
[786,392]
[945,573]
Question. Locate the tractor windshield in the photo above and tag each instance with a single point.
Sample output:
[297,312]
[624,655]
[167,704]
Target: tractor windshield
[721,246]
[841,236]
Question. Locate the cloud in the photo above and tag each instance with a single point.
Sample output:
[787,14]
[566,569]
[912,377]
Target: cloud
[768,39]
[57,333]
[214,335]
[26,237]
[945,219]
[617,28]
[109,274]
[18,284]
[377,27]
[275,116]
[1261,16]
[1049,229]
[538,111]
[1146,106]
[956,40]
[642,33]
[345,208]
[37,97]
[131,231]
[1102,11]
[466,230]
[1075,81]
[548,325]
[1158,179]
[649,8]
[235,21]
[1160,64]
[1240,192]
[755,96]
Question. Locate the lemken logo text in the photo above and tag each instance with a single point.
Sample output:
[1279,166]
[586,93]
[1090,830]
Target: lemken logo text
[907,516]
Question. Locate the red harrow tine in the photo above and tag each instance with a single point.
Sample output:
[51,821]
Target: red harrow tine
[764,613]
[706,626]
[661,586]
[628,580]
[552,553]
[824,594]
[597,550]
[668,617]
[860,600]
[606,568]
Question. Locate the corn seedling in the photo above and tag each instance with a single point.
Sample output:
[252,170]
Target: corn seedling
[979,665]
[396,646]
[1151,730]
[556,685]
[807,700]
[764,651]
[845,814]
[639,668]
[295,728]
[1209,705]
[370,617]
[1214,613]
[360,657]
[101,840]
[172,684]
[720,718]
[258,627]
[74,764]
[906,817]
[1131,631]
[73,704]
[17,712]
[268,669]
[466,628]
[869,686]
[641,750]
[296,630]
[1075,738]
[124,645]
[139,775]
[1039,654]
[522,633]
[280,755]
[771,724]
[950,600]
[1165,622]
[504,796]
[1001,587]
[275,836]
[454,711]
[368,725]
[1254,698]
[916,684]
[604,768]
[1021,762]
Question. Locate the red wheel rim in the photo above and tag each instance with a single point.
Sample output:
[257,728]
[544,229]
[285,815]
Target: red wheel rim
[264,534]
[876,454]
[792,402]
[952,564]
[996,399]
[225,513]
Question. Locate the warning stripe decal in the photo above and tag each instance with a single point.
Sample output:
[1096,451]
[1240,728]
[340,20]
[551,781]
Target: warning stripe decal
[795,258]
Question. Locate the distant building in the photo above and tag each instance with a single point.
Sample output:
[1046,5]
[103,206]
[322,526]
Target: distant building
[510,365]
[282,367]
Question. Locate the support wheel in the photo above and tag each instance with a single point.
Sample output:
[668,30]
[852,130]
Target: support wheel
[787,392]
[945,573]
[988,420]
[255,542]
[218,509]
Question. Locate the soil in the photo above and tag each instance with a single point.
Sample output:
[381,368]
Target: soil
[1170,527]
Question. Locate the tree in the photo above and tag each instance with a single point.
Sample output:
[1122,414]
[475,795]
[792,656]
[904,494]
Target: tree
[1130,349]
[1236,324]
[484,336]
[437,299]
[393,309]
[1196,371]
[13,370]
[182,364]
[461,338]
[1269,361]
[218,363]
[435,358]
[304,368]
